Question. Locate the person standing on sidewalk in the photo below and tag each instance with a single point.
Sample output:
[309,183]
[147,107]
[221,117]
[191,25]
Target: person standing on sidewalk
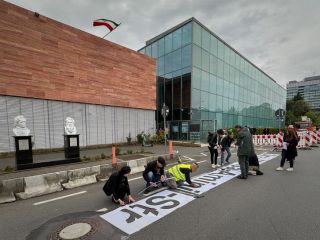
[213,148]
[225,146]
[117,186]
[245,150]
[292,141]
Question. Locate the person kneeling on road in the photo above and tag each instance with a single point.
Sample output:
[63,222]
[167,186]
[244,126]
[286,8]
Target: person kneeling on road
[254,166]
[118,186]
[154,172]
[180,173]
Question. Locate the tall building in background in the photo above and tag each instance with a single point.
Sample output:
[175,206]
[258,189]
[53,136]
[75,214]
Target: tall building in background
[309,88]
[209,85]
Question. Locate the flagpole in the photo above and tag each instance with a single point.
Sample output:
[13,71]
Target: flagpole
[111,31]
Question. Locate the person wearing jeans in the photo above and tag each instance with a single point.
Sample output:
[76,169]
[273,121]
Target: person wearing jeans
[225,146]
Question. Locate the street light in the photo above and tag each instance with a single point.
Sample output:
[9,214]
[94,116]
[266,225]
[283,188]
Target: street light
[165,112]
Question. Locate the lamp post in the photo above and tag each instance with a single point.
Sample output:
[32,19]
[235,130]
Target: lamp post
[165,113]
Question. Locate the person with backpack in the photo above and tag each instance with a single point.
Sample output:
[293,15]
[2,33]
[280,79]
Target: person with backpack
[213,148]
[117,186]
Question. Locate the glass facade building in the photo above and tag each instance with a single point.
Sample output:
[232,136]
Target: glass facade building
[309,88]
[208,85]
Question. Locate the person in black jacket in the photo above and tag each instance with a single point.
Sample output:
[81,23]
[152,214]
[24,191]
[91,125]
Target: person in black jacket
[225,146]
[213,147]
[154,172]
[118,186]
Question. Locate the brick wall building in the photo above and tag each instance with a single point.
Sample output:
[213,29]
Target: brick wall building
[49,71]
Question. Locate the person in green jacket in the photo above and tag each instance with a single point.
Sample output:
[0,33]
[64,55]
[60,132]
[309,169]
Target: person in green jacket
[245,149]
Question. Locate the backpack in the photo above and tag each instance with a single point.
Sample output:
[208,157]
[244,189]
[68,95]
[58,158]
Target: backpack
[107,188]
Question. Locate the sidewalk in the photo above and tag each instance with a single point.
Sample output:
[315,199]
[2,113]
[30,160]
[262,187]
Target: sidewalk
[39,181]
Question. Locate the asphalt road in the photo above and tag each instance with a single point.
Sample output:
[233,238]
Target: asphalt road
[277,205]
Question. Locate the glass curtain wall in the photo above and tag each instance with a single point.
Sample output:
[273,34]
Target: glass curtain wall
[173,53]
[207,85]
[229,90]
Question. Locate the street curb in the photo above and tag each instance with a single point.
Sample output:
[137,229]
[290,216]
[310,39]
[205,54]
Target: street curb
[38,185]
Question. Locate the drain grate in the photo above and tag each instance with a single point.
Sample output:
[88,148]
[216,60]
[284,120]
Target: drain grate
[93,223]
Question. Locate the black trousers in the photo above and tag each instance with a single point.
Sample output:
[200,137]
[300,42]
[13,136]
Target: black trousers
[122,190]
[214,154]
[284,157]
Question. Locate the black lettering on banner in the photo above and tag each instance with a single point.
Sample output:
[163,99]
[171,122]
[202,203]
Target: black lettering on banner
[227,172]
[208,178]
[215,177]
[173,202]
[146,209]
[200,182]
[133,216]
[200,179]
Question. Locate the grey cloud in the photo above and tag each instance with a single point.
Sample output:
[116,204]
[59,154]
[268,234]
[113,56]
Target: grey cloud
[280,37]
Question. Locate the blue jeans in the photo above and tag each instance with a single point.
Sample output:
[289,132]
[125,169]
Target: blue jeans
[153,177]
[222,155]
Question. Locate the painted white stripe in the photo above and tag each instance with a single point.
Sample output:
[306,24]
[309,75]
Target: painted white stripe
[102,210]
[191,159]
[58,198]
[132,179]
[203,154]
[203,161]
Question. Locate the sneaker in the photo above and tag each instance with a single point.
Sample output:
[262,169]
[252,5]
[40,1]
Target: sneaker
[279,169]
[289,169]
[253,173]
[213,166]
[218,165]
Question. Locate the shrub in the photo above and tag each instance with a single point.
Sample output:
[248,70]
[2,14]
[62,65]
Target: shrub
[140,137]
[103,156]
[129,151]
[118,151]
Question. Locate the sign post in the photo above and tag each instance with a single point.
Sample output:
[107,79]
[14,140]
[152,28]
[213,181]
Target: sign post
[165,113]
[280,114]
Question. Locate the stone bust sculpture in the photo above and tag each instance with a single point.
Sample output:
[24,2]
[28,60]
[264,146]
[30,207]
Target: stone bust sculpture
[69,127]
[20,127]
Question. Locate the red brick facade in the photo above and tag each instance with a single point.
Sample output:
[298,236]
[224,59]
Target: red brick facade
[42,58]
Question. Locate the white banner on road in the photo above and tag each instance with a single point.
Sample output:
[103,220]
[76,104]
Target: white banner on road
[132,218]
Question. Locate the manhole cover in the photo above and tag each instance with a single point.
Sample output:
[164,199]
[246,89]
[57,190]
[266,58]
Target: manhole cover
[75,231]
[80,229]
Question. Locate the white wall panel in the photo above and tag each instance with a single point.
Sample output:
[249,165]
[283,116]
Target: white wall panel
[96,124]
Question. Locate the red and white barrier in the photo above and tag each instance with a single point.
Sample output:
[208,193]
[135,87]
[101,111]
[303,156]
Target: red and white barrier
[318,136]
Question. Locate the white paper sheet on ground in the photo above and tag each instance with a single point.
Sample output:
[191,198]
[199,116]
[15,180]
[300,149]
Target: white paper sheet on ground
[131,218]
[212,179]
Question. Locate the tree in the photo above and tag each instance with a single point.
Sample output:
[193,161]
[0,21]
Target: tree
[296,108]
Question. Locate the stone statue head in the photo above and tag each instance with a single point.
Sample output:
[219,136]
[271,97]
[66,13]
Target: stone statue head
[20,126]
[69,126]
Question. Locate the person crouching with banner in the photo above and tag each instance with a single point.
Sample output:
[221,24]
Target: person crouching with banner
[117,186]
[180,173]
[254,166]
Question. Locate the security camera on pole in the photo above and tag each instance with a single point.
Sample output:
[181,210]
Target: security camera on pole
[165,113]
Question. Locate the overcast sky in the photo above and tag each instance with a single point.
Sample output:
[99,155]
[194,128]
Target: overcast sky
[282,37]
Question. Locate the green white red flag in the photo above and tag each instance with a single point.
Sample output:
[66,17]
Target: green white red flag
[111,25]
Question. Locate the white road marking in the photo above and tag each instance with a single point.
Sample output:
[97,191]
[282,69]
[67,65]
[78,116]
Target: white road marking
[58,198]
[191,159]
[203,154]
[203,161]
[102,210]
[134,179]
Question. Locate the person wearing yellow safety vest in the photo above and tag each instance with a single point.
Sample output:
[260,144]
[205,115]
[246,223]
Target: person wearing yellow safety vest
[180,173]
